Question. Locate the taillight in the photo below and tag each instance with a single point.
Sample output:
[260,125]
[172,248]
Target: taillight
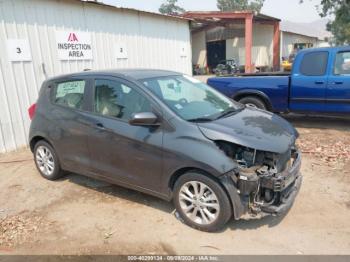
[31,111]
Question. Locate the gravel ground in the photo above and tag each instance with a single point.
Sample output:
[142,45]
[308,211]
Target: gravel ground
[78,215]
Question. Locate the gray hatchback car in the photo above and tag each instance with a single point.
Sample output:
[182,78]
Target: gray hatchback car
[168,135]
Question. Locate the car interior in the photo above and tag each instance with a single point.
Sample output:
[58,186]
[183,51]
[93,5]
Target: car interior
[117,100]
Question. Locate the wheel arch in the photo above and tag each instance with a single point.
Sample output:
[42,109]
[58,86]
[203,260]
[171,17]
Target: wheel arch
[182,171]
[35,139]
[254,93]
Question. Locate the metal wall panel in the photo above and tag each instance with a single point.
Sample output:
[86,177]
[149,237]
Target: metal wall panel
[152,42]
[199,49]
[262,48]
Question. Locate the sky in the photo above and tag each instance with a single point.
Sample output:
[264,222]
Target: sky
[289,10]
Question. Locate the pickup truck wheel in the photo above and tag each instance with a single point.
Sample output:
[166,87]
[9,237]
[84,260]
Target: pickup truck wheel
[201,202]
[253,102]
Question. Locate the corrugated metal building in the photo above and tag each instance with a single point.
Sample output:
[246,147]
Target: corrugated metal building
[43,38]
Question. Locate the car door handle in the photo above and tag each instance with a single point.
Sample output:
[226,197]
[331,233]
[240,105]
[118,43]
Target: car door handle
[337,83]
[319,82]
[100,126]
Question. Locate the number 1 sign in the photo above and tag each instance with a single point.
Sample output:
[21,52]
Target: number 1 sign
[18,50]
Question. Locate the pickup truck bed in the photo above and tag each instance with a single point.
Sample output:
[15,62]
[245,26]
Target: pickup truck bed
[273,88]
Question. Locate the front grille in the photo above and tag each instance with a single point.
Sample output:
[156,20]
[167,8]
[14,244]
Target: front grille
[283,160]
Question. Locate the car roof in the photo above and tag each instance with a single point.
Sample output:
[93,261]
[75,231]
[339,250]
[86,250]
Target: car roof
[134,74]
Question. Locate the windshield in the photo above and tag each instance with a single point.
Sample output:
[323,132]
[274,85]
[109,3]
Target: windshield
[191,99]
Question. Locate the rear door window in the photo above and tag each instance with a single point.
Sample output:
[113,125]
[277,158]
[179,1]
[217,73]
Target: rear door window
[342,63]
[314,64]
[70,94]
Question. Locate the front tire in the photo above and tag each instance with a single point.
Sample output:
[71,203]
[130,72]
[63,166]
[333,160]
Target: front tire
[46,161]
[201,202]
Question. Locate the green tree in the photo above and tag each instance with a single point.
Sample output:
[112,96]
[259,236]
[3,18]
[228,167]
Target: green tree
[340,26]
[240,5]
[169,7]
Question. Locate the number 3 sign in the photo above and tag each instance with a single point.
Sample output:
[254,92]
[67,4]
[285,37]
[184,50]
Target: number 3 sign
[18,50]
[121,51]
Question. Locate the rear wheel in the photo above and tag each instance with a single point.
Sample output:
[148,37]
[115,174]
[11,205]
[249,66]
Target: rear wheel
[46,161]
[254,102]
[201,202]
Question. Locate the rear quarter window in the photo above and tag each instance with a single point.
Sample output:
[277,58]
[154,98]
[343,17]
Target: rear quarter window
[314,64]
[70,94]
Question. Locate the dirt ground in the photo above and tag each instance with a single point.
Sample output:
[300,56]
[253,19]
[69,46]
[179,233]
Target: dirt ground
[78,215]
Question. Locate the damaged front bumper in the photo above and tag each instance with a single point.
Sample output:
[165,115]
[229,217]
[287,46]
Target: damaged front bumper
[286,201]
[263,194]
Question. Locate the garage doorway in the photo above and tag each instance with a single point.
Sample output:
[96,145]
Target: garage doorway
[216,52]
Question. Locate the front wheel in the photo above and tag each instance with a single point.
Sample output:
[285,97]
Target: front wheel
[201,202]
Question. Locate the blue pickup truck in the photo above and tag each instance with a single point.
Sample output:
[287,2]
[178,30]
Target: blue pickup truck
[318,83]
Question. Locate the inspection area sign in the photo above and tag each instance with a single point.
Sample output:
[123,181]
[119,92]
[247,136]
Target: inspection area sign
[73,45]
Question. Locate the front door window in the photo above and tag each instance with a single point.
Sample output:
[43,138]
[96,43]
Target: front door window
[115,99]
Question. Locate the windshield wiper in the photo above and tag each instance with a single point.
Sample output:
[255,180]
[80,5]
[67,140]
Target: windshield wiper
[229,111]
[201,119]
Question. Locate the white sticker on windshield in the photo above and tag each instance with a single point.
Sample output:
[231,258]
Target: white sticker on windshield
[193,80]
[178,106]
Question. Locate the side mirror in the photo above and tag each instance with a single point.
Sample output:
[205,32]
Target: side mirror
[144,119]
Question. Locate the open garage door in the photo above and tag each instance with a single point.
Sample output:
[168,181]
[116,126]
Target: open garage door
[216,52]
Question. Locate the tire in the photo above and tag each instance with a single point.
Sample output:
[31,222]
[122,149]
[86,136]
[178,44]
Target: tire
[254,102]
[220,210]
[46,161]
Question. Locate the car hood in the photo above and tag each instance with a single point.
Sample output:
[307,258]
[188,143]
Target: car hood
[252,128]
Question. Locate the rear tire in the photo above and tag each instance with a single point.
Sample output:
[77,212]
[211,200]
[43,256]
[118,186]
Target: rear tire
[254,102]
[46,161]
[201,202]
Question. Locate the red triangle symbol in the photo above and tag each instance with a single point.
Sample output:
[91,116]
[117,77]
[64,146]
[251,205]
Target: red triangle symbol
[72,38]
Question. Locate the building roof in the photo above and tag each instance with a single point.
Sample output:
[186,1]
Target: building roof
[315,29]
[208,19]
[229,15]
[97,2]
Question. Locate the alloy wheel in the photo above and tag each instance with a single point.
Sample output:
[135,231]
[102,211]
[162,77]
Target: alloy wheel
[44,160]
[199,202]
